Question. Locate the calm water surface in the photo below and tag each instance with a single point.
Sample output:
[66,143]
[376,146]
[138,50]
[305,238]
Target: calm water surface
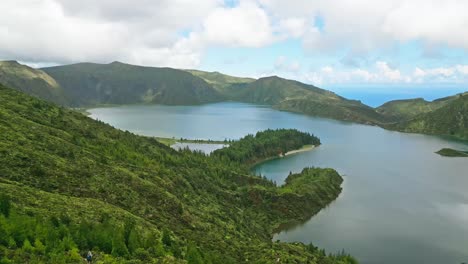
[401,202]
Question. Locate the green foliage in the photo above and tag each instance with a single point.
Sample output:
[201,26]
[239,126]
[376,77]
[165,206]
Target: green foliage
[5,205]
[166,238]
[76,184]
[118,244]
[193,255]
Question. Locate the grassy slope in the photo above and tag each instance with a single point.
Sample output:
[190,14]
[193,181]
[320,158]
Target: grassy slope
[450,120]
[56,161]
[298,97]
[32,81]
[118,83]
[219,81]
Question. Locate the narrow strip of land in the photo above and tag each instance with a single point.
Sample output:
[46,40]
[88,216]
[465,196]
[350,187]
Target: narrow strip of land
[303,149]
[173,140]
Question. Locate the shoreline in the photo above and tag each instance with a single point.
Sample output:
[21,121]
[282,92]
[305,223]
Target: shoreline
[303,149]
[291,152]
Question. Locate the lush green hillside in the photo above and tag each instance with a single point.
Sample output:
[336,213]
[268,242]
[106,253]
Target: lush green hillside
[400,110]
[88,84]
[406,109]
[69,183]
[450,120]
[32,81]
[219,81]
[298,97]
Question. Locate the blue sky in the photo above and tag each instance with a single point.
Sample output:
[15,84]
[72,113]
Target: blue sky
[365,45]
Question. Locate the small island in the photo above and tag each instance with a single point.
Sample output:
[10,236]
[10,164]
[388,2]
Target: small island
[448,152]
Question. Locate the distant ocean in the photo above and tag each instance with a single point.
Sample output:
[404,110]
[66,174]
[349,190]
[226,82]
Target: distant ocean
[376,96]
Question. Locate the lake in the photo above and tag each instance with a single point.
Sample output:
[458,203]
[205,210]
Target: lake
[401,202]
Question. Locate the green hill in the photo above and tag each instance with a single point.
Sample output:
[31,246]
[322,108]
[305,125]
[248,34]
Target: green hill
[298,97]
[69,184]
[89,84]
[400,110]
[450,120]
[31,81]
[219,81]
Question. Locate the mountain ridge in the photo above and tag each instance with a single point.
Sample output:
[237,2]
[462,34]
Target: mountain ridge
[115,83]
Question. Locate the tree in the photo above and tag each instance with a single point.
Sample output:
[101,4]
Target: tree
[134,241]
[5,205]
[119,249]
[166,238]
[193,255]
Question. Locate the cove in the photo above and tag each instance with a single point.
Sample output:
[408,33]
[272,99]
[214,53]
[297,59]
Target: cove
[401,202]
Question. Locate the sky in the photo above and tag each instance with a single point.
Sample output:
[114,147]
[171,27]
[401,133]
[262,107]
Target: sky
[331,43]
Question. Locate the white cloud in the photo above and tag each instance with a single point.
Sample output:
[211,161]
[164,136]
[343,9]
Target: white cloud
[283,64]
[177,32]
[386,72]
[364,25]
[69,31]
[294,27]
[456,73]
[246,25]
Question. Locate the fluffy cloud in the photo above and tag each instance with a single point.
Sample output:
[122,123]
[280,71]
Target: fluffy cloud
[246,25]
[364,25]
[294,27]
[64,31]
[178,32]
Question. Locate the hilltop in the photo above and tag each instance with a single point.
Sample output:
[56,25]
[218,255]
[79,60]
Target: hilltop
[221,82]
[31,81]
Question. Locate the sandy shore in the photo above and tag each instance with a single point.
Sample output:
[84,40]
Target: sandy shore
[303,149]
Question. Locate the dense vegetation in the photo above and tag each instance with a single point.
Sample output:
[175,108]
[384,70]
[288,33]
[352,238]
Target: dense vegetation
[448,152]
[450,120]
[265,144]
[69,184]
